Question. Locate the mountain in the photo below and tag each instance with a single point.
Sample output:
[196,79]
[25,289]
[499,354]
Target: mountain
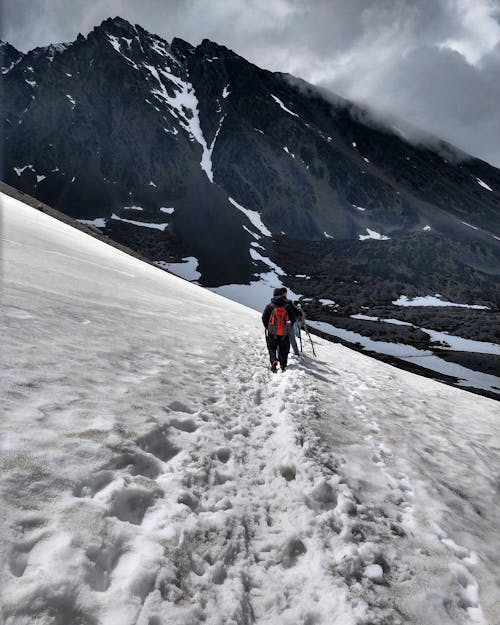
[153,474]
[257,179]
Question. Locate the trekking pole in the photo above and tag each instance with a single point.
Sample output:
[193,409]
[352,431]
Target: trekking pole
[300,339]
[312,344]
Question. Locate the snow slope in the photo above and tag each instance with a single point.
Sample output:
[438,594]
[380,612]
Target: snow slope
[153,471]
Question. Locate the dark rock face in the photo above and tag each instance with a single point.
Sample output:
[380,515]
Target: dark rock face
[124,119]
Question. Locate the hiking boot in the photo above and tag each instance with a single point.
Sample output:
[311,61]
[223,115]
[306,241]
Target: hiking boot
[283,367]
[274,366]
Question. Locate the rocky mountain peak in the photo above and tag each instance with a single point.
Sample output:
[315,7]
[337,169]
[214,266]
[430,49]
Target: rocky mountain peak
[118,26]
[183,48]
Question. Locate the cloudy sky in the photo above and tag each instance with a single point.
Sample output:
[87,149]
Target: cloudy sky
[433,63]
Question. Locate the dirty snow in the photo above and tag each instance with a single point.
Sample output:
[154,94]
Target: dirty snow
[151,474]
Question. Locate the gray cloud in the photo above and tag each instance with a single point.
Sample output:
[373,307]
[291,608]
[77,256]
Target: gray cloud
[434,63]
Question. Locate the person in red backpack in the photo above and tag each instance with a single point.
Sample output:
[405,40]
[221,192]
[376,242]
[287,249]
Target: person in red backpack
[278,318]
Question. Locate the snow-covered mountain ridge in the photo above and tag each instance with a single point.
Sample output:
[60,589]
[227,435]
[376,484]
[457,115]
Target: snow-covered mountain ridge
[153,471]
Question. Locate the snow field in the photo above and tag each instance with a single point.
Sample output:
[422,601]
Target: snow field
[153,471]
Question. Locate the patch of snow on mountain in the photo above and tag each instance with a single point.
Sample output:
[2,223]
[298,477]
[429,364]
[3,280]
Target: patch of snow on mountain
[458,343]
[328,236]
[99,222]
[226,91]
[427,228]
[184,99]
[288,151]
[278,101]
[430,300]
[31,83]
[253,217]
[168,210]
[115,42]
[373,235]
[252,233]
[470,225]
[365,159]
[187,269]
[133,208]
[143,224]
[455,343]
[19,170]
[370,318]
[39,178]
[360,208]
[424,358]
[267,261]
[71,99]
[483,184]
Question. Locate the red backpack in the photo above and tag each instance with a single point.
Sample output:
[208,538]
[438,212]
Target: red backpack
[278,321]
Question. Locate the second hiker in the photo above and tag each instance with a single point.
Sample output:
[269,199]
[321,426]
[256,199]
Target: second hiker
[278,319]
[299,322]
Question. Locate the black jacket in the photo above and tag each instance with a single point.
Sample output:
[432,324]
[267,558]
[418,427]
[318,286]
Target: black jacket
[278,300]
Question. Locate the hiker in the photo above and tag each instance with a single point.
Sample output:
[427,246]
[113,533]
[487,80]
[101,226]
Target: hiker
[278,318]
[295,329]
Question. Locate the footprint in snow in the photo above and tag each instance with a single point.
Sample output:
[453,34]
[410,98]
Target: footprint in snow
[223,454]
[178,406]
[94,484]
[158,444]
[18,559]
[138,463]
[131,503]
[186,425]
[102,558]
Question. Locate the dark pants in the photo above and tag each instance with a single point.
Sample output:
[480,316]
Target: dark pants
[278,347]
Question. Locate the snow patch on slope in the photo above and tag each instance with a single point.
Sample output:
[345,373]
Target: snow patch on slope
[373,235]
[278,101]
[253,217]
[483,184]
[432,300]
